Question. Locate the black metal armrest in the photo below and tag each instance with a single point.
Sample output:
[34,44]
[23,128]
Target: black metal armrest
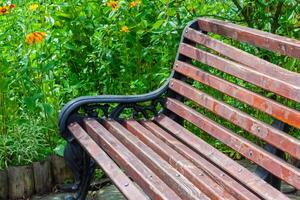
[72,107]
[112,106]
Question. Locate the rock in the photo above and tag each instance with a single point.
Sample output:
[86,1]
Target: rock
[53,196]
[109,193]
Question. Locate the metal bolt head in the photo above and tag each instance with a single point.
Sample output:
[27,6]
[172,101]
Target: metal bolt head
[126,184]
[250,153]
[258,129]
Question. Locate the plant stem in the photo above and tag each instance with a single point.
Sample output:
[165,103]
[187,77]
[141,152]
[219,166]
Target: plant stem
[275,22]
[243,12]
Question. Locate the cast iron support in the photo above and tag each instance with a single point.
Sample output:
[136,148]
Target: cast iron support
[79,161]
[261,172]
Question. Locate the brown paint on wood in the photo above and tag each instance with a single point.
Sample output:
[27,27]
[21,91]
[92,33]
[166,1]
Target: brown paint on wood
[221,177]
[240,71]
[262,130]
[197,176]
[269,41]
[225,163]
[276,110]
[173,178]
[111,169]
[243,57]
[270,162]
[152,185]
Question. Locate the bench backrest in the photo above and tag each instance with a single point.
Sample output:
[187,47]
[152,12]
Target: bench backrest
[260,75]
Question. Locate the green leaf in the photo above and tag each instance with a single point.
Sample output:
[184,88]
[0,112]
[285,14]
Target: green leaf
[157,24]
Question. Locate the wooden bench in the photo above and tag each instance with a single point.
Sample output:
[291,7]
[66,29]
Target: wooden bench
[142,145]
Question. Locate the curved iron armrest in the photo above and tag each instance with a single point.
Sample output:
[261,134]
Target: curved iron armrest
[81,164]
[70,112]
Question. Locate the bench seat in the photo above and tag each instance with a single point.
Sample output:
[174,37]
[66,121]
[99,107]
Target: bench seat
[143,144]
[166,161]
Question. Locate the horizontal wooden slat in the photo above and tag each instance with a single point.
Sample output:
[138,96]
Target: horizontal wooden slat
[174,179]
[111,169]
[269,41]
[184,166]
[153,186]
[264,131]
[243,57]
[222,178]
[276,110]
[255,77]
[225,163]
[270,162]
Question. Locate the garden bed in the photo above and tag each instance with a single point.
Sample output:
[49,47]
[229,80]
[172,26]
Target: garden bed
[21,182]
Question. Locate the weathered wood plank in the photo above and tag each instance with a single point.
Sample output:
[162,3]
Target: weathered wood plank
[174,179]
[243,57]
[3,185]
[42,177]
[269,41]
[221,177]
[262,130]
[230,166]
[197,176]
[111,169]
[240,71]
[273,164]
[20,182]
[276,110]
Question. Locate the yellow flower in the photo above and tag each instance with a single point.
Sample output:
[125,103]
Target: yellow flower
[35,37]
[33,7]
[134,4]
[4,10]
[113,4]
[124,29]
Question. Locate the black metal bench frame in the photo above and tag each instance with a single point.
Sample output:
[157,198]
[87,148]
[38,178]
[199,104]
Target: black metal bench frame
[81,108]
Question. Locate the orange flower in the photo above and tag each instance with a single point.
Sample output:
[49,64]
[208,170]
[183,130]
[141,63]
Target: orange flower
[12,6]
[134,4]
[4,10]
[124,29]
[113,4]
[35,37]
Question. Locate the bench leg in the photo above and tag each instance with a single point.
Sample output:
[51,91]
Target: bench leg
[82,166]
[266,175]
[261,172]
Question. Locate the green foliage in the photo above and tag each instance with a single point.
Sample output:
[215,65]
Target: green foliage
[88,50]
